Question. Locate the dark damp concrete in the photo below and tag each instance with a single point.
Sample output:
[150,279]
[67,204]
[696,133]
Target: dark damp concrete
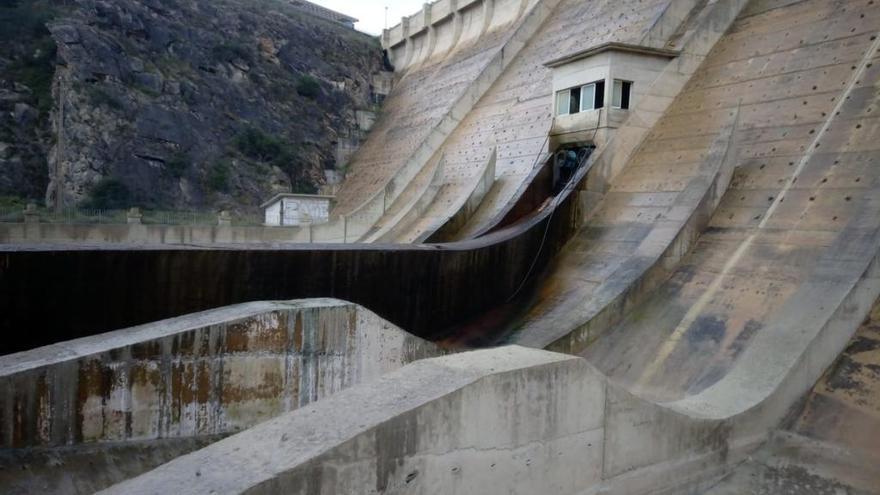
[52,294]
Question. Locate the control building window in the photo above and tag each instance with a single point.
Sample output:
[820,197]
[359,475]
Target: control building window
[620,97]
[582,99]
[563,101]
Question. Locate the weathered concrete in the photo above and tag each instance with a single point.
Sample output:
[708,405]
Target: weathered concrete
[205,374]
[80,291]
[87,468]
[801,212]
[514,116]
[563,428]
[832,442]
[481,422]
[173,235]
[432,229]
[715,304]
[509,26]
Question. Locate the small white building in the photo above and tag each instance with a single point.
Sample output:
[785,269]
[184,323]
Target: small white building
[594,89]
[291,210]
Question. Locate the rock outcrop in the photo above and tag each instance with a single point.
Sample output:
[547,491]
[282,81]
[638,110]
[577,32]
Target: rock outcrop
[185,104]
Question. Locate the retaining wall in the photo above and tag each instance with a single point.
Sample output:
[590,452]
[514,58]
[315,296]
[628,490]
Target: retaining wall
[204,374]
[511,420]
[59,293]
[11,233]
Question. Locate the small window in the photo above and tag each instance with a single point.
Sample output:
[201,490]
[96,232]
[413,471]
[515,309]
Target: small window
[575,103]
[589,97]
[563,99]
[592,96]
[582,99]
[621,94]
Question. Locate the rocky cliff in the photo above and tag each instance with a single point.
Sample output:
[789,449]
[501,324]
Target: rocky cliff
[176,103]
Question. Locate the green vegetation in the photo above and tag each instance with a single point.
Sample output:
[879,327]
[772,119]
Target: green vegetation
[146,90]
[12,202]
[218,177]
[24,23]
[108,194]
[21,19]
[99,98]
[178,165]
[303,186]
[257,145]
[231,51]
[308,87]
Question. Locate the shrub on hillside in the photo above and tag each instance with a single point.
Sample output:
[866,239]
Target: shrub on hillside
[308,87]
[231,51]
[177,165]
[218,177]
[257,145]
[108,194]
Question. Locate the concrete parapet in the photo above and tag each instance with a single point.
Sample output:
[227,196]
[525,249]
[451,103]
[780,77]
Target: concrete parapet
[31,215]
[209,373]
[480,422]
[139,233]
[134,216]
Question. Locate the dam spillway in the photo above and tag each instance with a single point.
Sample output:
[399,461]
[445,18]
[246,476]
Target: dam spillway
[710,261]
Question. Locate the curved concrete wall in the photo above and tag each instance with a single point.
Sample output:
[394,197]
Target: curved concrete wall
[515,115]
[501,48]
[513,420]
[210,373]
[447,25]
[483,422]
[71,292]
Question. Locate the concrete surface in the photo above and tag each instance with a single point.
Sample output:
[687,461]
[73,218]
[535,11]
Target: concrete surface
[88,468]
[514,116]
[506,420]
[707,302]
[123,234]
[801,212]
[210,373]
[831,444]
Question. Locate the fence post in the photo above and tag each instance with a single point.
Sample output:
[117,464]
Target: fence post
[224,220]
[134,216]
[344,229]
[31,215]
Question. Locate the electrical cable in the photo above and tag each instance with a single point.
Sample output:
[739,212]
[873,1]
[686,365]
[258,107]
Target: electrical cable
[568,186]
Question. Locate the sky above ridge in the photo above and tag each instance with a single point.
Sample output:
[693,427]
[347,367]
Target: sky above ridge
[372,12]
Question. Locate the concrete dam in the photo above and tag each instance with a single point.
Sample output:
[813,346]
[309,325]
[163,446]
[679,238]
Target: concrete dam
[617,247]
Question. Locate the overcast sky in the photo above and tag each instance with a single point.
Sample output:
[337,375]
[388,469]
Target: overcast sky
[372,12]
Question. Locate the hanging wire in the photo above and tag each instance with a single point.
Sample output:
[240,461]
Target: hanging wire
[568,186]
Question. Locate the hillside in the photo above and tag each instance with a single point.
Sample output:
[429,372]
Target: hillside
[174,103]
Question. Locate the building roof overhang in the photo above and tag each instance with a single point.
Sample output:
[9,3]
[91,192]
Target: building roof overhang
[612,46]
[280,196]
